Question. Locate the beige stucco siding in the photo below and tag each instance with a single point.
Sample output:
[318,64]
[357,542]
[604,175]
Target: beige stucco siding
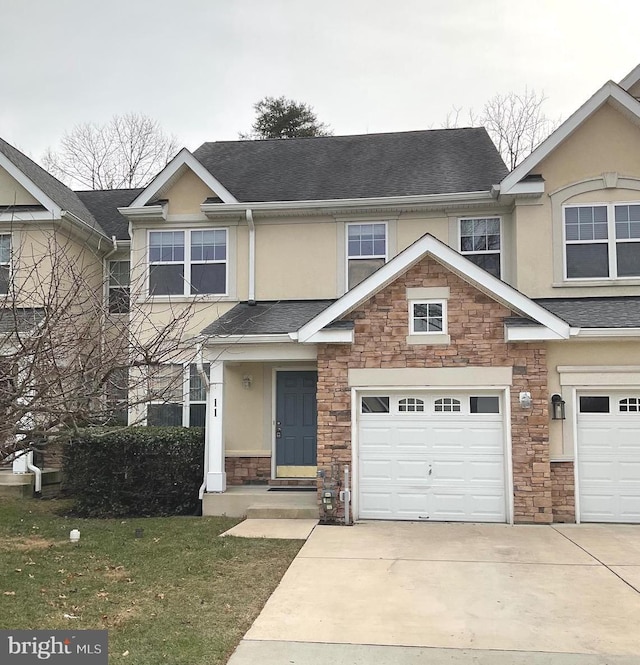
[607,143]
[186,195]
[296,260]
[12,192]
[580,353]
[411,227]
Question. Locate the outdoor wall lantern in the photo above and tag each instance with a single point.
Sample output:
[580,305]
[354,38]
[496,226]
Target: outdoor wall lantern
[557,407]
[247,380]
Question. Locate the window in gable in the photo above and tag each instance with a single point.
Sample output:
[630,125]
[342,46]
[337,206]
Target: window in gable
[366,251]
[5,262]
[427,317]
[480,242]
[602,241]
[447,405]
[410,405]
[188,263]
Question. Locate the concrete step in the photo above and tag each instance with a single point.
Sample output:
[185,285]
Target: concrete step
[274,511]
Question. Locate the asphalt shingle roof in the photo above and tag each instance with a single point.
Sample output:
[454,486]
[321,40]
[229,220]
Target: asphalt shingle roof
[369,165]
[104,204]
[53,188]
[266,318]
[614,312]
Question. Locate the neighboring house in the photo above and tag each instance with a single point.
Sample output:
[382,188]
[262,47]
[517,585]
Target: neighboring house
[464,339]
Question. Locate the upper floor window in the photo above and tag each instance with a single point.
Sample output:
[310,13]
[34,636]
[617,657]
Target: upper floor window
[602,241]
[366,250]
[5,262]
[480,242]
[188,262]
[119,284]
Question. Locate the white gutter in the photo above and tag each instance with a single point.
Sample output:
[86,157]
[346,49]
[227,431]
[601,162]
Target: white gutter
[346,204]
[605,332]
[205,379]
[252,256]
[66,213]
[37,472]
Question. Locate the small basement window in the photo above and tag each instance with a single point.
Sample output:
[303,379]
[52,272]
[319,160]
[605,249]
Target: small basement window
[371,404]
[598,404]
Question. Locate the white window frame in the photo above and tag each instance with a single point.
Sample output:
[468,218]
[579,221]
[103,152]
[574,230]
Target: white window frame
[348,257]
[8,263]
[487,252]
[431,301]
[187,263]
[611,241]
[111,287]
[186,401]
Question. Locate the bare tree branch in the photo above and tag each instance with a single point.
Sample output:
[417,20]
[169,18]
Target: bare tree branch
[126,152]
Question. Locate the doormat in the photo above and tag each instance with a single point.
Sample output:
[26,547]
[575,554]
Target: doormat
[292,489]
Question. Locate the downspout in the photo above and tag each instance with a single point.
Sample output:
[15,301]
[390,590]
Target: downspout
[252,257]
[37,472]
[205,380]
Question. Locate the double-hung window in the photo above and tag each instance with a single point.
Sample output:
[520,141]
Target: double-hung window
[119,286]
[602,241]
[5,262]
[117,394]
[366,250]
[188,262]
[177,396]
[480,242]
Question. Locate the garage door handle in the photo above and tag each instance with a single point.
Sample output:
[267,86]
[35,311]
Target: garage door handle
[430,469]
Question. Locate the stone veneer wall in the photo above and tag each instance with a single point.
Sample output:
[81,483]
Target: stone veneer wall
[563,492]
[475,324]
[257,471]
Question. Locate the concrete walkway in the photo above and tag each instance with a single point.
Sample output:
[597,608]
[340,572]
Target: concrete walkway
[265,528]
[397,592]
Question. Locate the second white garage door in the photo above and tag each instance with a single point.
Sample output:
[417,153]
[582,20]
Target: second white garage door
[432,456]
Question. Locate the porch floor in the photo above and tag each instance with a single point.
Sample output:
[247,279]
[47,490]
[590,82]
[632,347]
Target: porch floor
[21,484]
[238,500]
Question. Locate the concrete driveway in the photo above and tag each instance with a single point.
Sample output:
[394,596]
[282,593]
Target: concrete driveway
[405,593]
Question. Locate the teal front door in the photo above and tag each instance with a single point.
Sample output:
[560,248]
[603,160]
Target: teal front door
[296,424]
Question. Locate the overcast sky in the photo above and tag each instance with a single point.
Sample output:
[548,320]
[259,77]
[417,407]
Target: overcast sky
[197,66]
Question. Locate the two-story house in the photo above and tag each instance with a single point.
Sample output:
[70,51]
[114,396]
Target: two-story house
[464,340]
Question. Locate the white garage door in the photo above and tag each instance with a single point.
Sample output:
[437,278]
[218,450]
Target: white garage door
[609,456]
[428,456]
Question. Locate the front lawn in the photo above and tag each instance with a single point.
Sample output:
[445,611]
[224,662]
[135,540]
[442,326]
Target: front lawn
[178,594]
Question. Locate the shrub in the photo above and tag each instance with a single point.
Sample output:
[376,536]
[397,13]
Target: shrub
[140,471]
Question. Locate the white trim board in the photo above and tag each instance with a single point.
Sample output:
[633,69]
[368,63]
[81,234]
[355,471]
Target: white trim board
[609,91]
[30,186]
[172,171]
[471,273]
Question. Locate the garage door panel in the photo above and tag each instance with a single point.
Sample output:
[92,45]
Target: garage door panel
[432,466]
[609,464]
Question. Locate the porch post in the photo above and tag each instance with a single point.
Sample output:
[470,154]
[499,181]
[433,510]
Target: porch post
[216,476]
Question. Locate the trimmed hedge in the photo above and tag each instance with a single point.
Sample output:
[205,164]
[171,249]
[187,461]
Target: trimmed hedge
[140,471]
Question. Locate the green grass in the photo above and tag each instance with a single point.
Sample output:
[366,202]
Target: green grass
[178,595]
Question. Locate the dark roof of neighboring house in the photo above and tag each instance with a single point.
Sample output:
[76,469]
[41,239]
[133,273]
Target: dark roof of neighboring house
[613,312]
[20,319]
[439,161]
[104,204]
[266,317]
[62,196]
